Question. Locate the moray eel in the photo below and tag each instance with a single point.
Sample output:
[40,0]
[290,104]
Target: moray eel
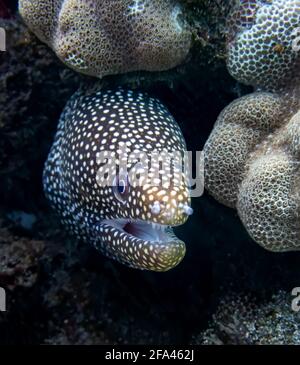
[86,182]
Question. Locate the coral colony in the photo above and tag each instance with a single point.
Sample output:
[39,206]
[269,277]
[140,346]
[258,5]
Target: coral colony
[252,164]
[252,156]
[107,37]
[261,52]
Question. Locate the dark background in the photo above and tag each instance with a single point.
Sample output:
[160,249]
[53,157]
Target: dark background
[59,290]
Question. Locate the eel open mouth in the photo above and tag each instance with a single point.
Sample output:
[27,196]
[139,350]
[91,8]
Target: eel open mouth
[140,244]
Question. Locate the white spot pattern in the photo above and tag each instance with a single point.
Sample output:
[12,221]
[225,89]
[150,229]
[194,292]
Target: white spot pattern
[91,125]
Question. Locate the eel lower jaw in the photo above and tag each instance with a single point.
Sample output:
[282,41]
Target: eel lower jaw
[143,245]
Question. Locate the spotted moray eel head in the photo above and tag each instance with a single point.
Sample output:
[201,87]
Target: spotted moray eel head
[120,154]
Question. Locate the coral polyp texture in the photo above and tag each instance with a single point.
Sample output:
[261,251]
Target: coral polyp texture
[252,163]
[105,37]
[263,47]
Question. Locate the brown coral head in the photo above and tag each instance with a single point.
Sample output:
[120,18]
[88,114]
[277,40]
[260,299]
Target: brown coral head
[107,37]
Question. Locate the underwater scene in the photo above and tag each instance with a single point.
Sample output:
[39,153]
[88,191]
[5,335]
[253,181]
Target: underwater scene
[150,172]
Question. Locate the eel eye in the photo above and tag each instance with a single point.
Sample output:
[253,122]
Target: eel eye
[121,187]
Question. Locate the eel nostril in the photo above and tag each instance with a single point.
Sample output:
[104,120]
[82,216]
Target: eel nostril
[155,208]
[188,210]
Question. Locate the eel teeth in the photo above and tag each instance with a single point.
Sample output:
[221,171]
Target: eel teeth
[157,226]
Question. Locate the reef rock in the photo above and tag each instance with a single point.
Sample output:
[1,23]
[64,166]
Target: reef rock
[242,320]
